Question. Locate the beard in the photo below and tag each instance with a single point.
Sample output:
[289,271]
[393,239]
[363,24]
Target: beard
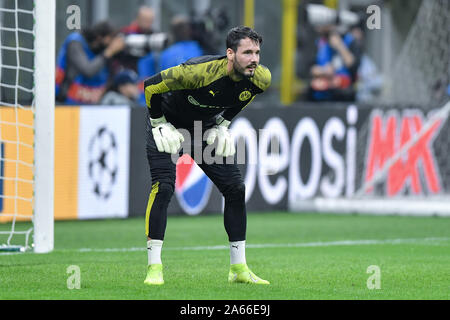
[243,70]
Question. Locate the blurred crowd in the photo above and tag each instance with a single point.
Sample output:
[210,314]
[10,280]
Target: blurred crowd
[331,56]
[103,64]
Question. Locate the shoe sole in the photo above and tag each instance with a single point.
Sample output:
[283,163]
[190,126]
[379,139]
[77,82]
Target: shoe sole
[153,283]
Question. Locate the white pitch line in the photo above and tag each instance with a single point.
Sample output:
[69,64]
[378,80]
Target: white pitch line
[276,245]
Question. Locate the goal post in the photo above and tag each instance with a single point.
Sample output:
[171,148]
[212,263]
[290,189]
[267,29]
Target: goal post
[27,109]
[44,99]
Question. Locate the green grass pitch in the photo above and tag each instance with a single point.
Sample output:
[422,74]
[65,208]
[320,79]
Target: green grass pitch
[304,256]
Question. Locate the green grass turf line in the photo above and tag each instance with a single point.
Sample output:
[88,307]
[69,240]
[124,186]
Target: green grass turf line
[417,270]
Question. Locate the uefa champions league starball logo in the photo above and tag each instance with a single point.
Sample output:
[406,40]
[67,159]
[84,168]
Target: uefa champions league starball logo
[103,164]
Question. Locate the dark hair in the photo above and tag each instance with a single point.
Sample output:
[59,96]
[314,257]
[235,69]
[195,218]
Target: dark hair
[101,29]
[181,28]
[236,34]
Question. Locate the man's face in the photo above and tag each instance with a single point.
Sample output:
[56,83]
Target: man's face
[246,58]
[145,20]
[100,44]
[130,90]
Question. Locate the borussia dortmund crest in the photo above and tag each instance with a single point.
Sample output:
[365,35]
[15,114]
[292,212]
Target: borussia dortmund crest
[245,95]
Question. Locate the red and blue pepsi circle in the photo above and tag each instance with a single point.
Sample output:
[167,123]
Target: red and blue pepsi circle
[192,186]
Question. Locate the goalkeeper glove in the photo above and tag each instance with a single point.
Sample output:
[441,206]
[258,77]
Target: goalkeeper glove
[167,137]
[225,142]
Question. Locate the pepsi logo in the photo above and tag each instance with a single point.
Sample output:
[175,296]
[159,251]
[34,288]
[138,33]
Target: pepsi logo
[192,186]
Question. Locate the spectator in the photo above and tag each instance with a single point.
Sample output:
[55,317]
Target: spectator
[124,90]
[337,62]
[82,65]
[146,68]
[142,25]
[369,80]
[143,22]
[139,59]
[207,26]
[183,48]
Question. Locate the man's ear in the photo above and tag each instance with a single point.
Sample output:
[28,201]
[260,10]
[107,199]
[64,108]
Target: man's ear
[230,54]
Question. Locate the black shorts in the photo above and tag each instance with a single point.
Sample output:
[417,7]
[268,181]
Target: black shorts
[224,173]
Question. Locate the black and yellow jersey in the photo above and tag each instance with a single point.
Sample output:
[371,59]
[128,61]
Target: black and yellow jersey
[200,89]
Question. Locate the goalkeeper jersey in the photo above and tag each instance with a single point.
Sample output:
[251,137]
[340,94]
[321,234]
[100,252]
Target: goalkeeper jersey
[200,89]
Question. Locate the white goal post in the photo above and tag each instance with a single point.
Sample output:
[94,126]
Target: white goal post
[44,76]
[27,116]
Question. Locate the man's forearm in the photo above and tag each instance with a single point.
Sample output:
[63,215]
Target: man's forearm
[346,55]
[78,59]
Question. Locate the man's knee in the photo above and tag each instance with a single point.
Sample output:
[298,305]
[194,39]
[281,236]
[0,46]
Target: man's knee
[165,189]
[234,191]
[161,194]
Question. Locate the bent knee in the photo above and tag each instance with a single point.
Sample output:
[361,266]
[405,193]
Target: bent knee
[163,189]
[234,191]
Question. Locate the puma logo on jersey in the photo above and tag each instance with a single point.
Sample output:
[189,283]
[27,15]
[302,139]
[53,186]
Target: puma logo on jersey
[213,93]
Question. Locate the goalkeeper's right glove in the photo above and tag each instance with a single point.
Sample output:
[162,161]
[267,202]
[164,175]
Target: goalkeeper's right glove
[167,137]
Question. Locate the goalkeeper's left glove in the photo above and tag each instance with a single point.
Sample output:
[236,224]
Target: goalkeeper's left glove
[225,142]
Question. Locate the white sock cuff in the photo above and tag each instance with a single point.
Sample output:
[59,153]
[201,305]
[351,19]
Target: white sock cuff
[154,251]
[237,243]
[154,243]
[237,252]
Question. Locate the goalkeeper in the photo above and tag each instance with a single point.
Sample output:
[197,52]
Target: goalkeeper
[211,90]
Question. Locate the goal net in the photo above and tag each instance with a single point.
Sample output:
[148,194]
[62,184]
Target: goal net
[26,124]
[403,146]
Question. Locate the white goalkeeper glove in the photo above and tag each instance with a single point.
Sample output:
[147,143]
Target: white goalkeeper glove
[167,137]
[225,141]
